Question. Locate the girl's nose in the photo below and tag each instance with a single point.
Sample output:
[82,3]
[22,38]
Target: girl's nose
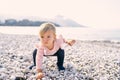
[45,39]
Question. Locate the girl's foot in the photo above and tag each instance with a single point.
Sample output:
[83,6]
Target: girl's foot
[61,68]
[31,67]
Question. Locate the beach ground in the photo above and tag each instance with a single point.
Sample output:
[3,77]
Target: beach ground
[85,60]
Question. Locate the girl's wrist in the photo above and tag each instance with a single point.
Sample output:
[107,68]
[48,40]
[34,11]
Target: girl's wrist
[39,70]
[67,42]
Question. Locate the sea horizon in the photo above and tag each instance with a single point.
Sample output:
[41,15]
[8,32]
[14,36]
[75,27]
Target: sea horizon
[79,33]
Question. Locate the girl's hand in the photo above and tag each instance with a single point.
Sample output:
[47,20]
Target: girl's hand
[39,76]
[71,42]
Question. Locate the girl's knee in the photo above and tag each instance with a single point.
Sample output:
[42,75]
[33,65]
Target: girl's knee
[35,51]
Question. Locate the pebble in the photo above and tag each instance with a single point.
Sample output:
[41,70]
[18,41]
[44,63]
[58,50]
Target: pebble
[85,60]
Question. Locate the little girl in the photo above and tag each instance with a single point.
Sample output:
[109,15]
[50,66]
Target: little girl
[49,45]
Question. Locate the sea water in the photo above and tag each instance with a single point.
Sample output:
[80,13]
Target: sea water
[79,33]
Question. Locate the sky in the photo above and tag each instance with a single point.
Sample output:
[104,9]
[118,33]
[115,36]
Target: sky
[92,13]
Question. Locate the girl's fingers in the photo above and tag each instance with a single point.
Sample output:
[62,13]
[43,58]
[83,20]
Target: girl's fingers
[39,76]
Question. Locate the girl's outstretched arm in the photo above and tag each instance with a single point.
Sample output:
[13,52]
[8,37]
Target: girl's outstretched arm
[70,42]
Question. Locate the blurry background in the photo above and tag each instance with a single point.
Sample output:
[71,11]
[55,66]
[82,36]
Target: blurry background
[99,18]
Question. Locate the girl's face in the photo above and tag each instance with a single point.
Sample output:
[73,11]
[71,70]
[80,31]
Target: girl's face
[47,38]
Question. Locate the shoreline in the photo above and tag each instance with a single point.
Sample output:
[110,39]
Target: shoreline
[104,40]
[95,60]
[77,33]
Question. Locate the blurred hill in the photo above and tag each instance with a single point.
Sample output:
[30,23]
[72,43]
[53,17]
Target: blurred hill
[37,21]
[63,21]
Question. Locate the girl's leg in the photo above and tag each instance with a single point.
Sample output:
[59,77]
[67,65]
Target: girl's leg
[60,59]
[34,56]
[34,59]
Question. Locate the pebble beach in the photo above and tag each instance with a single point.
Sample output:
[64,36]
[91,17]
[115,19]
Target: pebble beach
[85,60]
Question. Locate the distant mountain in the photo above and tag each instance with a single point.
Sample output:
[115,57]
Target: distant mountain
[24,22]
[63,21]
[59,20]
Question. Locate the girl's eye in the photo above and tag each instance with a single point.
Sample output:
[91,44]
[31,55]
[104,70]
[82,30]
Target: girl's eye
[42,37]
[48,37]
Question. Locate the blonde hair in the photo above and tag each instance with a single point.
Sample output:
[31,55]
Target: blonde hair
[47,27]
